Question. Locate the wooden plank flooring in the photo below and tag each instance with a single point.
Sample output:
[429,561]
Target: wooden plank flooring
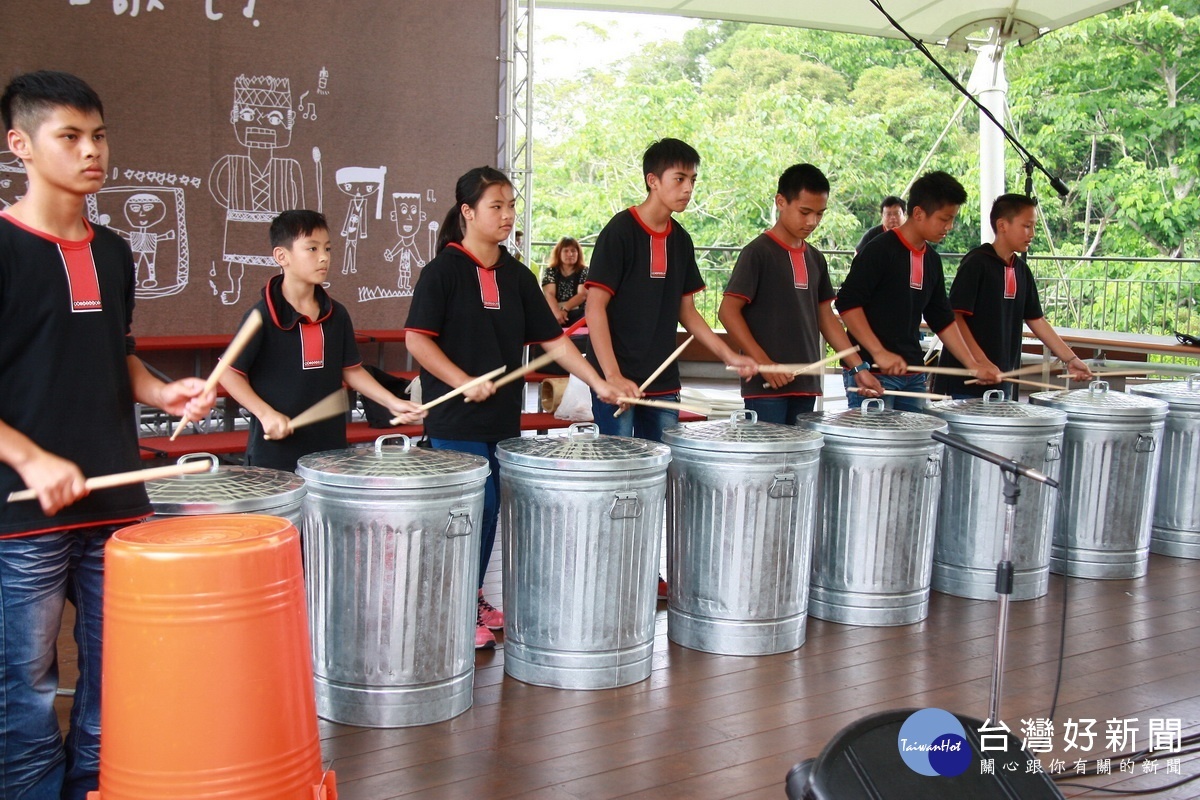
[706,726]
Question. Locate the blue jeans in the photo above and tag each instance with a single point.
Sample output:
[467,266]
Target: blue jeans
[639,421]
[912,382]
[780,410]
[37,575]
[491,494]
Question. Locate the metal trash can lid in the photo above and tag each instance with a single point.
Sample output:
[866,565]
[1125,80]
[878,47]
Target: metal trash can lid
[224,490]
[1097,401]
[583,449]
[873,420]
[742,433]
[1185,394]
[376,466]
[995,410]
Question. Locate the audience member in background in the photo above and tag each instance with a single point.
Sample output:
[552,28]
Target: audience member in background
[891,215]
[563,279]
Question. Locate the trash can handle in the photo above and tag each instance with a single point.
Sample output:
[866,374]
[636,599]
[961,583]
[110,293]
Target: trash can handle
[1145,443]
[743,415]
[933,467]
[459,523]
[406,444]
[1098,386]
[873,404]
[213,461]
[1053,450]
[1193,381]
[994,396]
[583,430]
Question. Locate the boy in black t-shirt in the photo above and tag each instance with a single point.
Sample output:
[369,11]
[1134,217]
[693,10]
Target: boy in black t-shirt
[895,281]
[641,281]
[303,353]
[779,299]
[993,293]
[68,382]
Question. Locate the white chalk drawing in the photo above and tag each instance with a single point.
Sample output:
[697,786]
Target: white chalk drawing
[409,216]
[323,81]
[12,180]
[256,186]
[153,220]
[133,7]
[320,173]
[359,183]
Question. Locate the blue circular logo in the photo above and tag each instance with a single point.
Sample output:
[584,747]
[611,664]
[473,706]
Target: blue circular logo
[933,742]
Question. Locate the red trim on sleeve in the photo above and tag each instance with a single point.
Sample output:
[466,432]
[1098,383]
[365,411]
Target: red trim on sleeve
[964,312]
[694,291]
[597,285]
[740,296]
[434,334]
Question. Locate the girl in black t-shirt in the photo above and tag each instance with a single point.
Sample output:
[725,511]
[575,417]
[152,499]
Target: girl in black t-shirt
[474,308]
[563,280]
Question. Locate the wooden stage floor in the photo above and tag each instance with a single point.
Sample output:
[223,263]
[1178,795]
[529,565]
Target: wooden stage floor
[706,726]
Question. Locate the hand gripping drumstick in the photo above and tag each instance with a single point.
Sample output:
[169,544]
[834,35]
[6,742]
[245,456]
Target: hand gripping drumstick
[323,409]
[936,370]
[678,352]
[1012,372]
[703,411]
[800,369]
[126,478]
[471,384]
[244,335]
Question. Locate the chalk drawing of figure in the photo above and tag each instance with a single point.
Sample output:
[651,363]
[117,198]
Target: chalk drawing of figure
[359,183]
[12,180]
[408,216]
[257,186]
[143,211]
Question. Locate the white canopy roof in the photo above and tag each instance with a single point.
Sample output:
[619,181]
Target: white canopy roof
[928,20]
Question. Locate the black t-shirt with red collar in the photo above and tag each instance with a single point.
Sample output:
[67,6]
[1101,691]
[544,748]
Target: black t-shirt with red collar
[896,286]
[647,273]
[995,298]
[482,317]
[64,376]
[292,363]
[784,288]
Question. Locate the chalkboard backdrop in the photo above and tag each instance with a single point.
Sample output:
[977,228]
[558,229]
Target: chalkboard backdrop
[222,113]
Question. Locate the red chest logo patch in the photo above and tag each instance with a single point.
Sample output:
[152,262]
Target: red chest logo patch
[489,290]
[658,256]
[916,270]
[1010,280]
[312,345]
[82,280]
[799,268]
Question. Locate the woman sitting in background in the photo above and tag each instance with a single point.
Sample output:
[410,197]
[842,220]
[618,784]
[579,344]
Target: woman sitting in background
[563,280]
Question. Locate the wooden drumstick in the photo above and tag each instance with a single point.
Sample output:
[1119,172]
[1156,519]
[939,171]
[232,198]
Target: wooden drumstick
[936,370]
[244,335]
[1039,384]
[126,478]
[900,393]
[323,409]
[661,367]
[1022,371]
[800,369]
[521,372]
[670,405]
[471,384]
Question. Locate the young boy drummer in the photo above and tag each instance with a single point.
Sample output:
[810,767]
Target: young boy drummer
[68,382]
[640,288]
[895,281]
[992,293]
[474,309]
[778,303]
[303,352]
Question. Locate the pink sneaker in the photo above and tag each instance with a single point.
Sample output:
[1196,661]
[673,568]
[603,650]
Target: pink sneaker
[489,616]
[662,589]
[484,639]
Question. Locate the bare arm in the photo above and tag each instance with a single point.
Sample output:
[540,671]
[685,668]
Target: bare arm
[1062,351]
[694,324]
[964,330]
[424,348]
[57,481]
[550,292]
[600,340]
[568,357]
[185,397]
[981,368]
[275,424]
[835,334]
[856,322]
[365,384]
[731,316]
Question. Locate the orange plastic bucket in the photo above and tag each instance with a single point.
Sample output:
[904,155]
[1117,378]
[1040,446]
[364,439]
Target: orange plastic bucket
[207,683]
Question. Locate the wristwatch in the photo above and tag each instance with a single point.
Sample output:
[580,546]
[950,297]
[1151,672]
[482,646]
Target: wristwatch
[857,369]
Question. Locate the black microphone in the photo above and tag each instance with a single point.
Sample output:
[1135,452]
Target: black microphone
[1007,464]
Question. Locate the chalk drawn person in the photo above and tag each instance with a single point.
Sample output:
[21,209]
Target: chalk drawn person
[12,180]
[143,211]
[254,188]
[408,216]
[359,183]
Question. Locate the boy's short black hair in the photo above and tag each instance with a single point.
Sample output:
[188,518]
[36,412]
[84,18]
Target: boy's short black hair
[31,97]
[666,153]
[295,224]
[802,178]
[1007,206]
[892,200]
[935,190]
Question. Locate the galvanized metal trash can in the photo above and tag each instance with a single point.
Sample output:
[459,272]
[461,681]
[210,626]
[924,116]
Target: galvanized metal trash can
[582,516]
[229,490]
[1175,527]
[970,523]
[879,487]
[391,556]
[741,506]
[1111,455]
